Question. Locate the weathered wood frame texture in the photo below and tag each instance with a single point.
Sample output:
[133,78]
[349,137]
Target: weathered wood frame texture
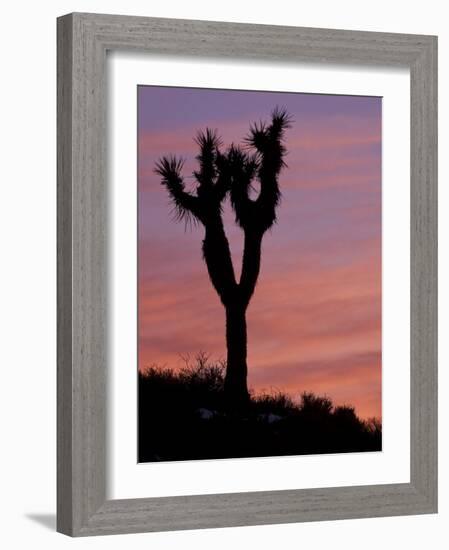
[83,40]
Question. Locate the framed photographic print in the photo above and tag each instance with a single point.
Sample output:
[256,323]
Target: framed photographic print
[246,274]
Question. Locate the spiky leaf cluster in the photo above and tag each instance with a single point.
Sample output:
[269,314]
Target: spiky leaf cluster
[233,171]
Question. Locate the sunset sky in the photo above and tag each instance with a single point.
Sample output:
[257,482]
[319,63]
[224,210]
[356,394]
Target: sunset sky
[314,322]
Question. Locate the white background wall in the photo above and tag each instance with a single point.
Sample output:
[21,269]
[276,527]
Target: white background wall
[27,289]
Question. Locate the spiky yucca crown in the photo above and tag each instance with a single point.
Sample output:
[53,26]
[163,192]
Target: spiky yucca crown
[232,171]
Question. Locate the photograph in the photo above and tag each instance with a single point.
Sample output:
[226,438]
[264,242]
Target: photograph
[223,241]
[259,273]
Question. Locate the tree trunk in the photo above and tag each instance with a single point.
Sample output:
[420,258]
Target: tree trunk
[250,264]
[217,256]
[236,389]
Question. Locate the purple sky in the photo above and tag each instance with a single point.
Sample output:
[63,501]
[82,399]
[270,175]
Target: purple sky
[314,322]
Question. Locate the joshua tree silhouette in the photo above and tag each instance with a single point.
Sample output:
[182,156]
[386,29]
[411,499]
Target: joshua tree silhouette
[232,172]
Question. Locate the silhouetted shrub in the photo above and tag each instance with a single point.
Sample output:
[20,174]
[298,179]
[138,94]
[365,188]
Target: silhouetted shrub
[276,403]
[183,416]
[315,405]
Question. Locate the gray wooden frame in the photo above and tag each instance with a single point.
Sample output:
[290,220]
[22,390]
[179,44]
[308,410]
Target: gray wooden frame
[83,40]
